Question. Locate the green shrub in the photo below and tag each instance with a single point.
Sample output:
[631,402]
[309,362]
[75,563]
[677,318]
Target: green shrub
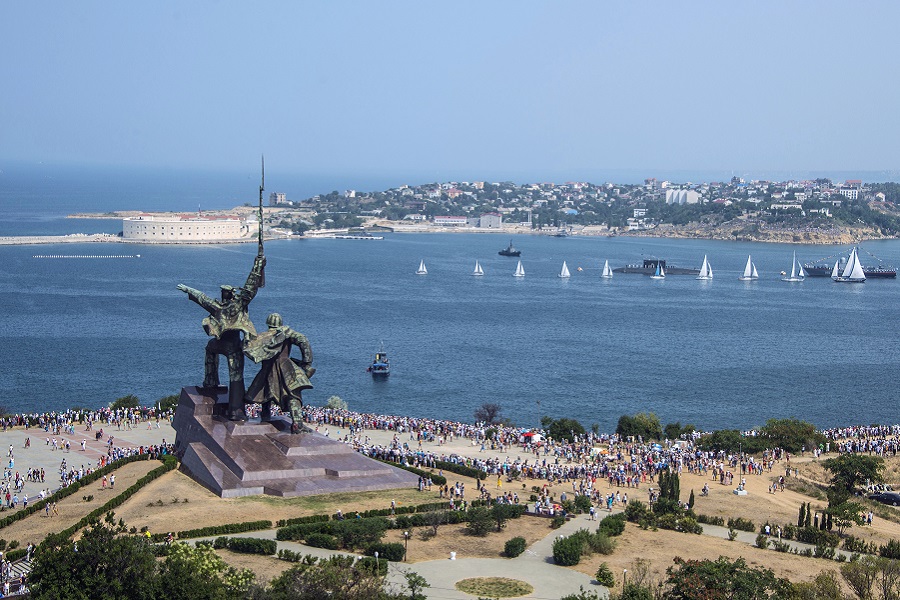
[392,551]
[252,546]
[601,543]
[582,503]
[480,521]
[781,546]
[514,547]
[322,540]
[741,524]
[762,541]
[710,520]
[636,512]
[557,521]
[612,525]
[567,551]
[372,565]
[732,534]
[605,576]
[890,550]
[811,535]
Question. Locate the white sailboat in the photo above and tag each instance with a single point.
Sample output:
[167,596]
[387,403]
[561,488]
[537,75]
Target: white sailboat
[836,271]
[422,270]
[520,270]
[564,273]
[660,271]
[478,270]
[607,272]
[853,271]
[749,271]
[705,270]
[797,272]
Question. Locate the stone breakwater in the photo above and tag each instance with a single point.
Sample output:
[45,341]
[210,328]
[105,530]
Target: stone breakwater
[75,238]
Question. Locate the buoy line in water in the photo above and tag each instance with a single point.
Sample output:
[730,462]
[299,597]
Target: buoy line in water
[86,256]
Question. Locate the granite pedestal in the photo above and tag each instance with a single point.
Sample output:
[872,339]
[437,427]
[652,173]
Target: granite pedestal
[252,457]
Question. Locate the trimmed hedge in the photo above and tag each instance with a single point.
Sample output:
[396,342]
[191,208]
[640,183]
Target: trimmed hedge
[612,525]
[299,520]
[460,469]
[392,551]
[322,540]
[223,529]
[247,545]
[352,533]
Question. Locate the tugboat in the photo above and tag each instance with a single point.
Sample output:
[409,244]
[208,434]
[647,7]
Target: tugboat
[381,366]
[510,251]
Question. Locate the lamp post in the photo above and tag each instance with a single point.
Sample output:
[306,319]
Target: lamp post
[624,575]
[376,562]
[406,549]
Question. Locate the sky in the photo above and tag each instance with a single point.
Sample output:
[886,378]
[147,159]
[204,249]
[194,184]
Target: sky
[440,91]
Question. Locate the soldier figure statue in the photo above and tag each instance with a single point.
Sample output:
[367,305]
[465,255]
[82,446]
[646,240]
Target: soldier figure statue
[281,378]
[227,319]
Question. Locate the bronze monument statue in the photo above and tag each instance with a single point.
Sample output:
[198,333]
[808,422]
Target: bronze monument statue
[227,318]
[281,379]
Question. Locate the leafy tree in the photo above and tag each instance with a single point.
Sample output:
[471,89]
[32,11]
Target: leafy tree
[791,434]
[825,586]
[501,513]
[335,578]
[415,583]
[489,413]
[722,578]
[562,429]
[168,403]
[850,470]
[99,565]
[129,401]
[604,576]
[480,521]
[335,403]
[727,440]
[845,515]
[644,425]
[860,575]
[198,573]
[674,431]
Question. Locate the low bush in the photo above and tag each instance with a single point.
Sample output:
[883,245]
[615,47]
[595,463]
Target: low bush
[762,541]
[604,576]
[612,525]
[392,551]
[322,540]
[583,503]
[514,547]
[741,524]
[816,537]
[225,529]
[709,520]
[557,521]
[890,550]
[567,551]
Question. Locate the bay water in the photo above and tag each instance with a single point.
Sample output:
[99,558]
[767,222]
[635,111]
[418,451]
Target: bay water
[722,353]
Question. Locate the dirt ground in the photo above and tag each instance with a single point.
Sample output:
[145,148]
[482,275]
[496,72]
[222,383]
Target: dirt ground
[71,509]
[174,502]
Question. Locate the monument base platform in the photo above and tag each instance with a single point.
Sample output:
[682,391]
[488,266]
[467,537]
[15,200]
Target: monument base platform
[248,458]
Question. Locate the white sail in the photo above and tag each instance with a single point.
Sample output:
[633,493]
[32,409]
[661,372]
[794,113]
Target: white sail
[800,272]
[857,274]
[478,270]
[705,270]
[794,267]
[607,272]
[564,273]
[749,271]
[520,270]
[849,267]
[836,272]
[660,271]
[795,274]
[422,270]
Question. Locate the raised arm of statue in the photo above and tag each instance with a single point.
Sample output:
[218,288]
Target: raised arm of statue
[254,279]
[199,297]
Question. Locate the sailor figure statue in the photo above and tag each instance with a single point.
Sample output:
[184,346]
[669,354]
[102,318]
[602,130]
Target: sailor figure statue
[281,378]
[227,319]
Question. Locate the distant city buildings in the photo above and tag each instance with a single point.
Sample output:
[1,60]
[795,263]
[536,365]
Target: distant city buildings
[276,198]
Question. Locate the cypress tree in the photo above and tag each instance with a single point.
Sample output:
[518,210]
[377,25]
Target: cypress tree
[691,500]
[808,521]
[802,518]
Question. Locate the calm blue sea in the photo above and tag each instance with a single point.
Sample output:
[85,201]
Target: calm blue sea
[715,354]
